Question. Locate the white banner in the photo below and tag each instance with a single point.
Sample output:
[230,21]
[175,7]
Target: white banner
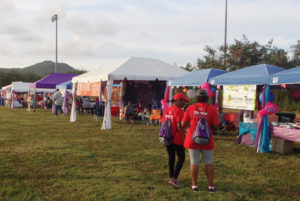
[240,97]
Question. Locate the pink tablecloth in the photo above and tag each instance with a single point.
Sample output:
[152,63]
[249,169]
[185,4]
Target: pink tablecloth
[286,133]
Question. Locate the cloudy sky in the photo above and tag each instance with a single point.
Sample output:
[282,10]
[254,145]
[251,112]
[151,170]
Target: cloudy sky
[95,33]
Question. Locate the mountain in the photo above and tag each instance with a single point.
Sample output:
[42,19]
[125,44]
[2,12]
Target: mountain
[43,68]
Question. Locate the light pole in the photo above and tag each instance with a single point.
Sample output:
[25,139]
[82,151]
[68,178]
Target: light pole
[225,37]
[54,19]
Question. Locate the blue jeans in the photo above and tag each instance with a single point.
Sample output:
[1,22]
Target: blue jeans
[58,107]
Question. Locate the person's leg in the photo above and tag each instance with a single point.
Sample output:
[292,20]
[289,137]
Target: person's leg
[142,117]
[207,156]
[171,154]
[181,157]
[56,108]
[209,170]
[60,109]
[127,117]
[194,168]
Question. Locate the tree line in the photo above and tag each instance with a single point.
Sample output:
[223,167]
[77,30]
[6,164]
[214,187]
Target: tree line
[244,53]
[7,78]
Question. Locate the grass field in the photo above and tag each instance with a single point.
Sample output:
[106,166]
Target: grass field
[43,157]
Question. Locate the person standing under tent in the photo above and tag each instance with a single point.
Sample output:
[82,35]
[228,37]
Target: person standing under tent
[175,114]
[58,101]
[192,115]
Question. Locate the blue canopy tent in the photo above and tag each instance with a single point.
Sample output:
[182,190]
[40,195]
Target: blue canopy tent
[65,85]
[253,75]
[290,76]
[196,78]
[256,75]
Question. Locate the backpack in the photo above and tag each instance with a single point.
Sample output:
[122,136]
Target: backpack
[201,133]
[165,134]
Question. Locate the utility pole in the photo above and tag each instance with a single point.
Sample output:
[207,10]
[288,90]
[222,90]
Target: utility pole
[54,19]
[225,37]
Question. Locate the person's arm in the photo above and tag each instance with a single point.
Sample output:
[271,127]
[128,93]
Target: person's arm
[215,128]
[181,130]
[185,119]
[215,120]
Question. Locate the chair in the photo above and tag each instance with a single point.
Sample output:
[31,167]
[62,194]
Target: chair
[155,117]
[228,123]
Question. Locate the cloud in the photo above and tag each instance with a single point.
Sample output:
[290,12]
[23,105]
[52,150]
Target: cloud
[94,33]
[7,8]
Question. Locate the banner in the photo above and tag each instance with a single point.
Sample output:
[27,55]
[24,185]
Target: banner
[115,94]
[88,89]
[240,97]
[93,89]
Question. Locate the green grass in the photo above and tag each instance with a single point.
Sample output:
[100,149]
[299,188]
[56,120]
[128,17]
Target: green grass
[43,157]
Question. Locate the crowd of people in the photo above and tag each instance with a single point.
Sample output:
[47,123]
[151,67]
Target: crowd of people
[150,115]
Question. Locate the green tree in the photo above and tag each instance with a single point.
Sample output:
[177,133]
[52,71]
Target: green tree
[189,67]
[14,76]
[211,60]
[295,49]
[79,72]
[244,53]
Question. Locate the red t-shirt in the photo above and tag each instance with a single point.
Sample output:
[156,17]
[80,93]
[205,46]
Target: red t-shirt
[192,116]
[140,109]
[175,114]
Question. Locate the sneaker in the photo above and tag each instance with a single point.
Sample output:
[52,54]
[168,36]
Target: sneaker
[195,189]
[212,189]
[174,183]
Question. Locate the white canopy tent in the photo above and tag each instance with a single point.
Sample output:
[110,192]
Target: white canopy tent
[133,68]
[15,87]
[21,87]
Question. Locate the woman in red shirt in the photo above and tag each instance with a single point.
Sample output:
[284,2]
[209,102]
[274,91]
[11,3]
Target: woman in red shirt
[175,114]
[192,115]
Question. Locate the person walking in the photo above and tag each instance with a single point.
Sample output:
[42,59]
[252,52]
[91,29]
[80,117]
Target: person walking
[58,101]
[192,115]
[175,114]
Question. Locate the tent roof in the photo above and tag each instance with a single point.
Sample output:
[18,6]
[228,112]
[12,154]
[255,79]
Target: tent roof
[20,86]
[133,68]
[50,81]
[6,87]
[257,75]
[65,85]
[291,76]
[196,78]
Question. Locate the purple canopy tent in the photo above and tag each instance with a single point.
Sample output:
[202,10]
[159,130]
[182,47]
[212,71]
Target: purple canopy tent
[51,80]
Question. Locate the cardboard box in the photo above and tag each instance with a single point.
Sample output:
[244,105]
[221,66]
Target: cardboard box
[281,146]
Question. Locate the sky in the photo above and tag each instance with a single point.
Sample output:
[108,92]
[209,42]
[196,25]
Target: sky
[97,33]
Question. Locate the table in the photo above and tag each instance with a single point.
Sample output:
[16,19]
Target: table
[286,133]
[283,139]
[247,133]
[248,128]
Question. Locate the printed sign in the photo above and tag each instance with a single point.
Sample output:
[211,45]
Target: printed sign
[240,97]
[88,89]
[93,89]
[115,94]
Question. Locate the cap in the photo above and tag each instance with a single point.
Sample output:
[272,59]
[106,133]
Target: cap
[201,92]
[181,96]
